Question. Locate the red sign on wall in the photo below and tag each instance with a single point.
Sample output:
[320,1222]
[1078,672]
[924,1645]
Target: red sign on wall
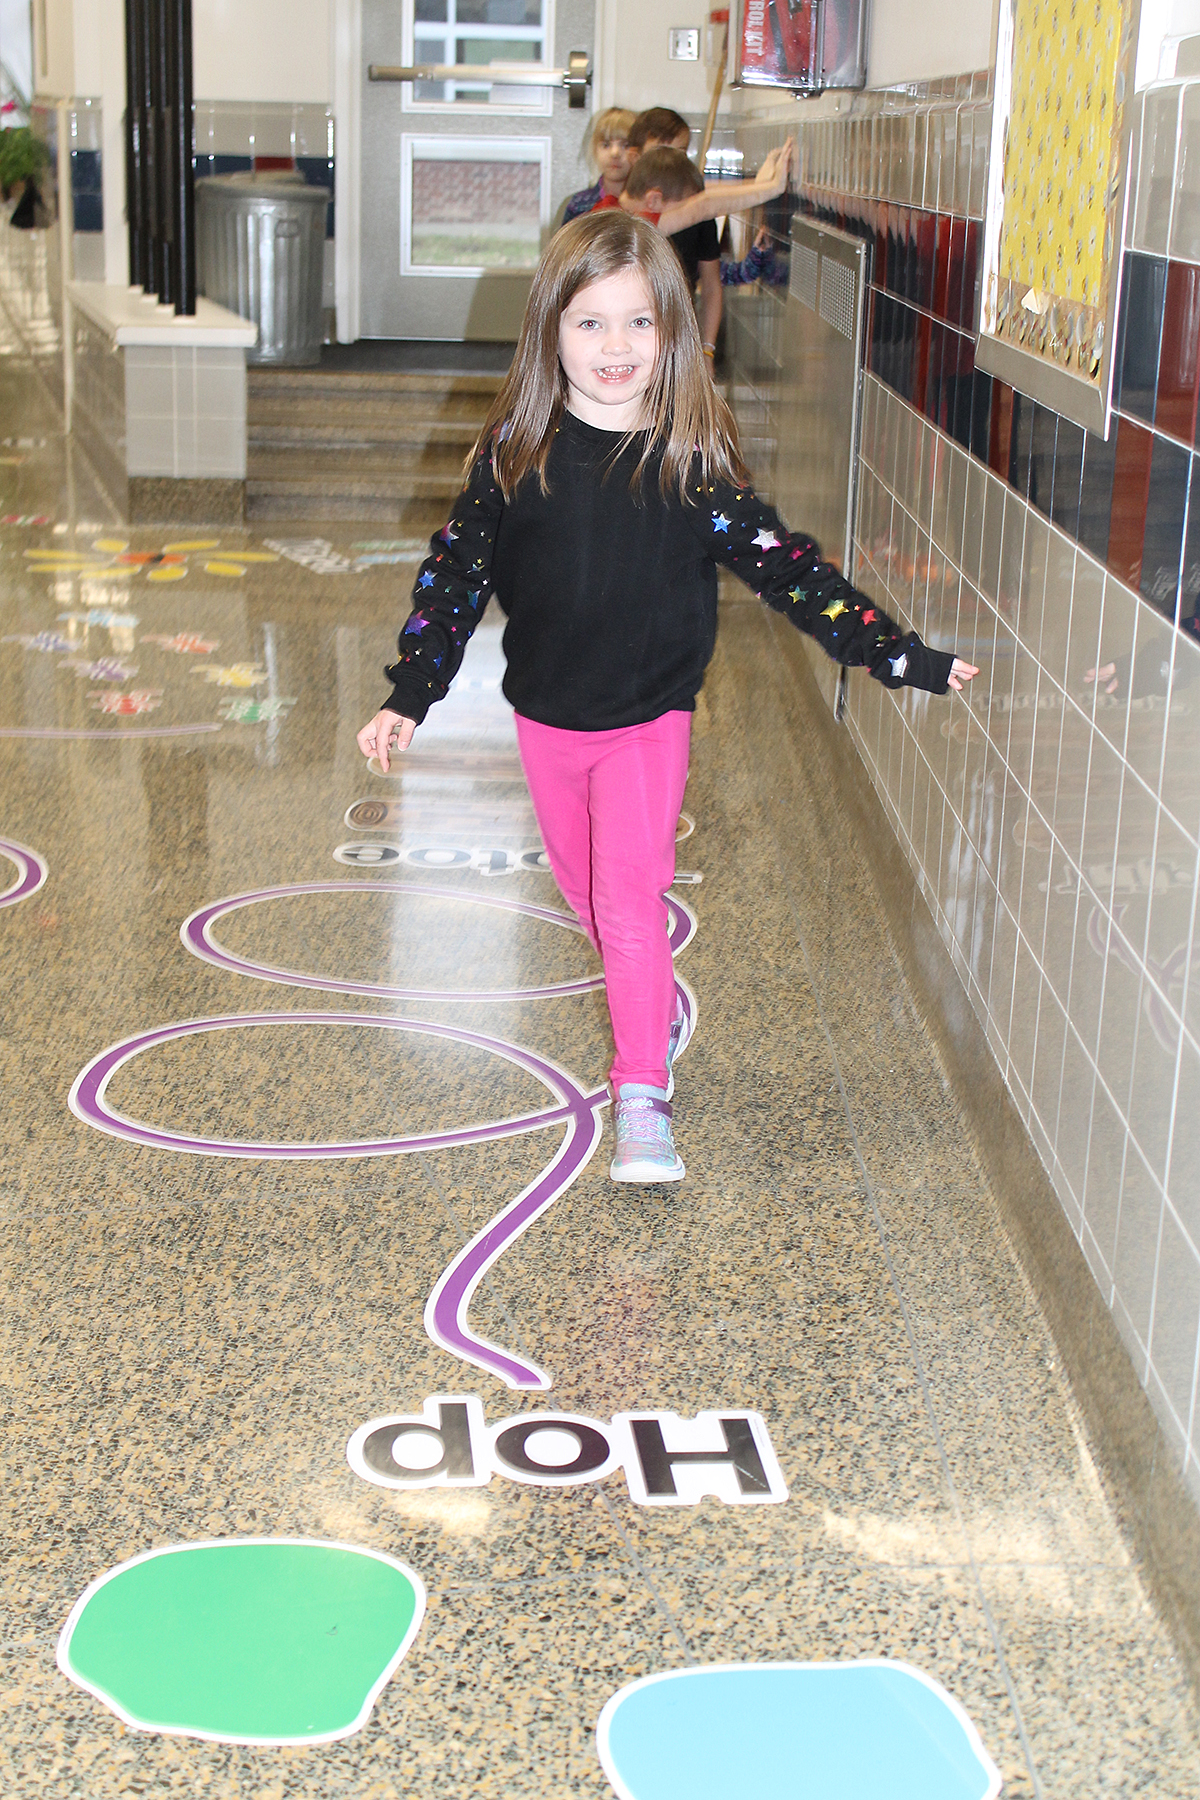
[780,43]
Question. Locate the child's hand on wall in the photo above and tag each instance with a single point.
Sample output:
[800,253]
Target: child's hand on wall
[775,165]
[960,673]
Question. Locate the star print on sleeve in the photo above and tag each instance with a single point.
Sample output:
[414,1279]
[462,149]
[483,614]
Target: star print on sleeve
[786,570]
[452,587]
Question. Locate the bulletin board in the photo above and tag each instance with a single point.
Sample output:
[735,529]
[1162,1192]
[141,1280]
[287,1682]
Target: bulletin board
[1057,191]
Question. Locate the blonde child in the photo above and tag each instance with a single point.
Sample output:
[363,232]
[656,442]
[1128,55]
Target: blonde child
[602,494]
[609,152]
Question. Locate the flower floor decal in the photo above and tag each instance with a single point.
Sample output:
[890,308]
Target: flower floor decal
[113,556]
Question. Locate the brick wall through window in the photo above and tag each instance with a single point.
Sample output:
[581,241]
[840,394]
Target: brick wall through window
[476,192]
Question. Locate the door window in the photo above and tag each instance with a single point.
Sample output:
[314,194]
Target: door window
[477,31]
[472,204]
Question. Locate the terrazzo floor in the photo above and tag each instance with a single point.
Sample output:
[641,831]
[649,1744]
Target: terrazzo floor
[189,1339]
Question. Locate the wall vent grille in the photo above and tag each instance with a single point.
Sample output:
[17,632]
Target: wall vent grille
[806,264]
[837,296]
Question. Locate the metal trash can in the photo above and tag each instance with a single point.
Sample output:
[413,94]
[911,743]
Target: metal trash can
[260,251]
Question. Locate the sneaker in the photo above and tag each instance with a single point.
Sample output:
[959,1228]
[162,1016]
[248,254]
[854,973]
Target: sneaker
[682,1027]
[645,1146]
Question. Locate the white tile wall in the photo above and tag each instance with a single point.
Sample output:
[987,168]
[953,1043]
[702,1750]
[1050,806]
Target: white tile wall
[1055,832]
[185,412]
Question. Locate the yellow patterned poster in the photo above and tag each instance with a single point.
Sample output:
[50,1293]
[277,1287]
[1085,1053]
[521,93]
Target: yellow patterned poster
[1048,287]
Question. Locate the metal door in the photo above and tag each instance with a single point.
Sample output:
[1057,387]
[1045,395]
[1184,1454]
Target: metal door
[460,178]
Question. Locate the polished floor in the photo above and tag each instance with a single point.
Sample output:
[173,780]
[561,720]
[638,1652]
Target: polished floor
[206,1295]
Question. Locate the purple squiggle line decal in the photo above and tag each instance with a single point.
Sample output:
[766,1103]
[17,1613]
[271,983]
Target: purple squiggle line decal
[197,935]
[88,1096]
[117,734]
[448,1304]
[32,871]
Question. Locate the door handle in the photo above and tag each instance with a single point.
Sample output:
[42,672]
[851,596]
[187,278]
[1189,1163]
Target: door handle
[576,77]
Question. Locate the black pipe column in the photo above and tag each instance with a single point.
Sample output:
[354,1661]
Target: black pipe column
[160,150]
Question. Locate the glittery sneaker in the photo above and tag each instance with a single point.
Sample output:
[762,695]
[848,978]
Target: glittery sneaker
[645,1146]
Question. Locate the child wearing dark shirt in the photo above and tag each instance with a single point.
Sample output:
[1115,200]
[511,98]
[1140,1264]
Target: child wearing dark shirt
[603,492]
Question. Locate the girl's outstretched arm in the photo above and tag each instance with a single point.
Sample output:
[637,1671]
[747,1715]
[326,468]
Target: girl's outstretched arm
[721,197]
[449,596]
[785,569]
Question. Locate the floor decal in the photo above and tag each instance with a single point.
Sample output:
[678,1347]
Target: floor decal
[138,700]
[197,934]
[182,643]
[235,675]
[255,712]
[445,1313]
[48,642]
[104,668]
[112,556]
[828,1731]
[31,872]
[315,554]
[576,1108]
[727,1455]
[244,1640]
[115,734]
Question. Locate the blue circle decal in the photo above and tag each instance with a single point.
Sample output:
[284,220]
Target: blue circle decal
[793,1731]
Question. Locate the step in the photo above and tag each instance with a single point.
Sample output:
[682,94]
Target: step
[411,468]
[309,384]
[371,408]
[268,501]
[362,435]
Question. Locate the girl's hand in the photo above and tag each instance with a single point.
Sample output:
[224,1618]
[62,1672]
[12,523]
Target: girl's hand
[960,673]
[386,732]
[774,171]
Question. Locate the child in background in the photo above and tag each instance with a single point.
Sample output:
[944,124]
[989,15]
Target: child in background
[669,191]
[697,246]
[760,263]
[602,493]
[659,126]
[608,151]
[666,190]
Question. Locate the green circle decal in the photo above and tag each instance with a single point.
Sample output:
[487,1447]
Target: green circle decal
[244,1640]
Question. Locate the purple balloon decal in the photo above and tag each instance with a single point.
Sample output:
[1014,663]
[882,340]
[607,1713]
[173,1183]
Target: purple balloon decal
[31,872]
[573,1105]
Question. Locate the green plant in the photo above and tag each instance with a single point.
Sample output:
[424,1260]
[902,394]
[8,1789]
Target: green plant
[22,156]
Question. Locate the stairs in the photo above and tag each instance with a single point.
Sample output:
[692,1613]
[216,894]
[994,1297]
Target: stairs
[378,447]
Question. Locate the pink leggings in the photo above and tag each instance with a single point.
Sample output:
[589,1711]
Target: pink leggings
[608,803]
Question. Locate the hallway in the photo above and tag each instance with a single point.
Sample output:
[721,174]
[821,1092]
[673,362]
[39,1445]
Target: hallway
[217,1266]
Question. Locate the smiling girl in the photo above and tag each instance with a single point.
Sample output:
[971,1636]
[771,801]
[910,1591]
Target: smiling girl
[603,491]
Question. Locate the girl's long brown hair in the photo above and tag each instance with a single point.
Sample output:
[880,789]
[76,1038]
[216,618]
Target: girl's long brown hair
[686,421]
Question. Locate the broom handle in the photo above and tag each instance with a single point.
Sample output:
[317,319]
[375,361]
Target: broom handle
[718,84]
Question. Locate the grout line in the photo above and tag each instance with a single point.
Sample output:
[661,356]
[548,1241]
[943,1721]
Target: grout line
[909,1326]
[646,1576]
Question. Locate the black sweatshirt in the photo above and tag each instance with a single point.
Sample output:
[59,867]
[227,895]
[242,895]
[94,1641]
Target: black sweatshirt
[611,595]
